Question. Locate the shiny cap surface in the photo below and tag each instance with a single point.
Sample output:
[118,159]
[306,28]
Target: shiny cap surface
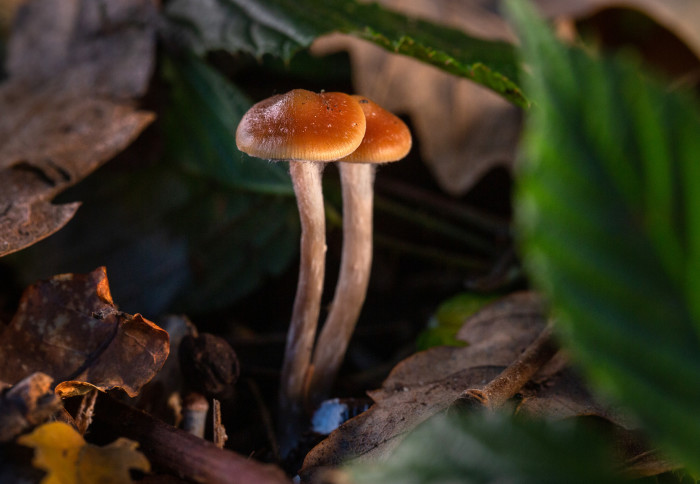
[302,125]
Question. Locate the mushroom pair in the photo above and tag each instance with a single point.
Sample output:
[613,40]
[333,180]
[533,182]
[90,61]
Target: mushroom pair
[309,129]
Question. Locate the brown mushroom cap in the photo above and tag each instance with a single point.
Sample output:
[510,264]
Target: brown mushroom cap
[302,125]
[387,138]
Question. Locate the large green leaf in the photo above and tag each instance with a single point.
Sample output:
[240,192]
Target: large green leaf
[200,128]
[282,27]
[494,448]
[240,217]
[608,209]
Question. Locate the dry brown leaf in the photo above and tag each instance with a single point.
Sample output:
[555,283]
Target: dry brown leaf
[432,381]
[69,328]
[74,70]
[679,16]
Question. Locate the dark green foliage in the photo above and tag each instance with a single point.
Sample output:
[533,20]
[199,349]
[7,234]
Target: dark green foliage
[282,27]
[491,448]
[608,210]
[241,215]
[448,319]
[200,127]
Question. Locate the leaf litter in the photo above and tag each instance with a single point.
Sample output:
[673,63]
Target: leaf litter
[69,328]
[75,70]
[433,381]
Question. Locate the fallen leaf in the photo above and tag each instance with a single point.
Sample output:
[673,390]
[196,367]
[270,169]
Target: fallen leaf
[74,69]
[161,396]
[679,16]
[69,328]
[63,453]
[432,381]
[30,402]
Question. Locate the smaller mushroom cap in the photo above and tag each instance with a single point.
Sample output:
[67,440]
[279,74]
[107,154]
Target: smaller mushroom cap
[387,138]
[302,125]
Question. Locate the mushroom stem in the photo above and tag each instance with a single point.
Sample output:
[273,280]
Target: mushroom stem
[306,178]
[357,180]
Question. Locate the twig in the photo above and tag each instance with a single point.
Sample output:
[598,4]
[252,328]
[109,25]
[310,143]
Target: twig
[512,379]
[181,453]
[437,225]
[219,433]
[445,206]
[431,253]
[86,411]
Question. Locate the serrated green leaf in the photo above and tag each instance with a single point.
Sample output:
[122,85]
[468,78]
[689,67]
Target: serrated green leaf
[282,27]
[608,209]
[493,448]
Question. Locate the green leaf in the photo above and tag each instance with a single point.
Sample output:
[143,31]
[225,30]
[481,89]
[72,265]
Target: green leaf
[488,448]
[282,27]
[236,241]
[200,128]
[448,319]
[608,210]
[241,217]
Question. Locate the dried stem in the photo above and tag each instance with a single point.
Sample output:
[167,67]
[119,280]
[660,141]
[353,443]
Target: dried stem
[219,431]
[447,207]
[356,261]
[86,410]
[181,453]
[306,177]
[515,376]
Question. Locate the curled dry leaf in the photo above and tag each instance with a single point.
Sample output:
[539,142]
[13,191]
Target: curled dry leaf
[74,69]
[69,328]
[431,381]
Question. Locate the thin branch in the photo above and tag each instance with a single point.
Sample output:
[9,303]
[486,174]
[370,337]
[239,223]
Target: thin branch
[514,377]
[181,453]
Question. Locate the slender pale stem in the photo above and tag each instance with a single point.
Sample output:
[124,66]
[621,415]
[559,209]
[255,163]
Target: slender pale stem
[357,181]
[306,178]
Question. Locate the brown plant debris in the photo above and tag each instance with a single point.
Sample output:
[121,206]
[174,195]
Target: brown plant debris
[432,381]
[29,402]
[74,70]
[69,328]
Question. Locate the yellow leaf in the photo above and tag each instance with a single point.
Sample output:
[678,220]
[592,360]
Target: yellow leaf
[68,459]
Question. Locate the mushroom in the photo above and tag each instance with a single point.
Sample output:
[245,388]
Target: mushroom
[307,129]
[386,139]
